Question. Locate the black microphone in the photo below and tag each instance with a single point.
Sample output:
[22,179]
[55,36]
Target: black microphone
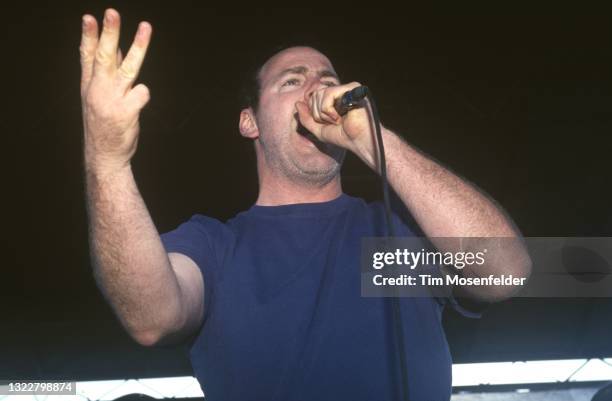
[350,100]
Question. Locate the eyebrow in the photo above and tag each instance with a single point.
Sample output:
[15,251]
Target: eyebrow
[300,69]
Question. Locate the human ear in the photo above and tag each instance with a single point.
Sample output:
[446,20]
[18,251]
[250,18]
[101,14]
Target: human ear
[248,124]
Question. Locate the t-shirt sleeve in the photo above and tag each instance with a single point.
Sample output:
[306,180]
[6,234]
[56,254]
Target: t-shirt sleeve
[201,239]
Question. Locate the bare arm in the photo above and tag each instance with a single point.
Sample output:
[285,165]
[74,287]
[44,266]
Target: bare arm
[155,295]
[456,216]
[443,204]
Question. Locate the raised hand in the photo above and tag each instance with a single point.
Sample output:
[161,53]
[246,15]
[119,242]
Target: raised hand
[111,104]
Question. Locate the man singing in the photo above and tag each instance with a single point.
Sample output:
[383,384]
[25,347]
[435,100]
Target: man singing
[270,299]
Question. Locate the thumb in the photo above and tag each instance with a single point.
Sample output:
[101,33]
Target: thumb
[139,96]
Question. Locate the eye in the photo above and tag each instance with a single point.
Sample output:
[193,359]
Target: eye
[330,83]
[291,82]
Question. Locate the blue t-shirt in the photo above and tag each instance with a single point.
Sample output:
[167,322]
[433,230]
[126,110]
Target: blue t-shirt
[284,317]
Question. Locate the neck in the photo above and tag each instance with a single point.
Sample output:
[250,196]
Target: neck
[276,191]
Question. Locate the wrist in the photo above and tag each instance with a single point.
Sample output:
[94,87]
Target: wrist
[369,152]
[101,167]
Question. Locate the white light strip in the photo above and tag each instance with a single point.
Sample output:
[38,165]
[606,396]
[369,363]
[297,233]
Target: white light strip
[166,387]
[467,374]
[551,371]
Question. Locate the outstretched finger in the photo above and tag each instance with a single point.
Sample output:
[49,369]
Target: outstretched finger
[106,54]
[130,67]
[87,49]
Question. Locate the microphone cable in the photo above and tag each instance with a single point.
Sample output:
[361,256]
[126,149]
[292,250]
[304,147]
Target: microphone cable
[348,101]
[395,304]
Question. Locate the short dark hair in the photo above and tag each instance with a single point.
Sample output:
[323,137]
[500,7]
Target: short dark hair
[251,86]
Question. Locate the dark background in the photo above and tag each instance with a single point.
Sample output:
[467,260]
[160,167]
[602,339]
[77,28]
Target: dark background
[519,104]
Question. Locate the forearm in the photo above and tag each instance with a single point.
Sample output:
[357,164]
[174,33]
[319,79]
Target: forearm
[443,204]
[456,216]
[130,263]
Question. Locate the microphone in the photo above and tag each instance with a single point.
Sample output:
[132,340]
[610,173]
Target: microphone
[350,100]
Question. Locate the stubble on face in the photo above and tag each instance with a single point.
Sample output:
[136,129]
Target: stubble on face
[289,148]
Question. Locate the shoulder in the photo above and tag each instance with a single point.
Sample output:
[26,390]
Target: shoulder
[199,225]
[403,222]
[202,238]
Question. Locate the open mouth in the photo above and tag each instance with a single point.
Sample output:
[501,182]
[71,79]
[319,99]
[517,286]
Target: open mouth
[307,134]
[303,131]
[330,150]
